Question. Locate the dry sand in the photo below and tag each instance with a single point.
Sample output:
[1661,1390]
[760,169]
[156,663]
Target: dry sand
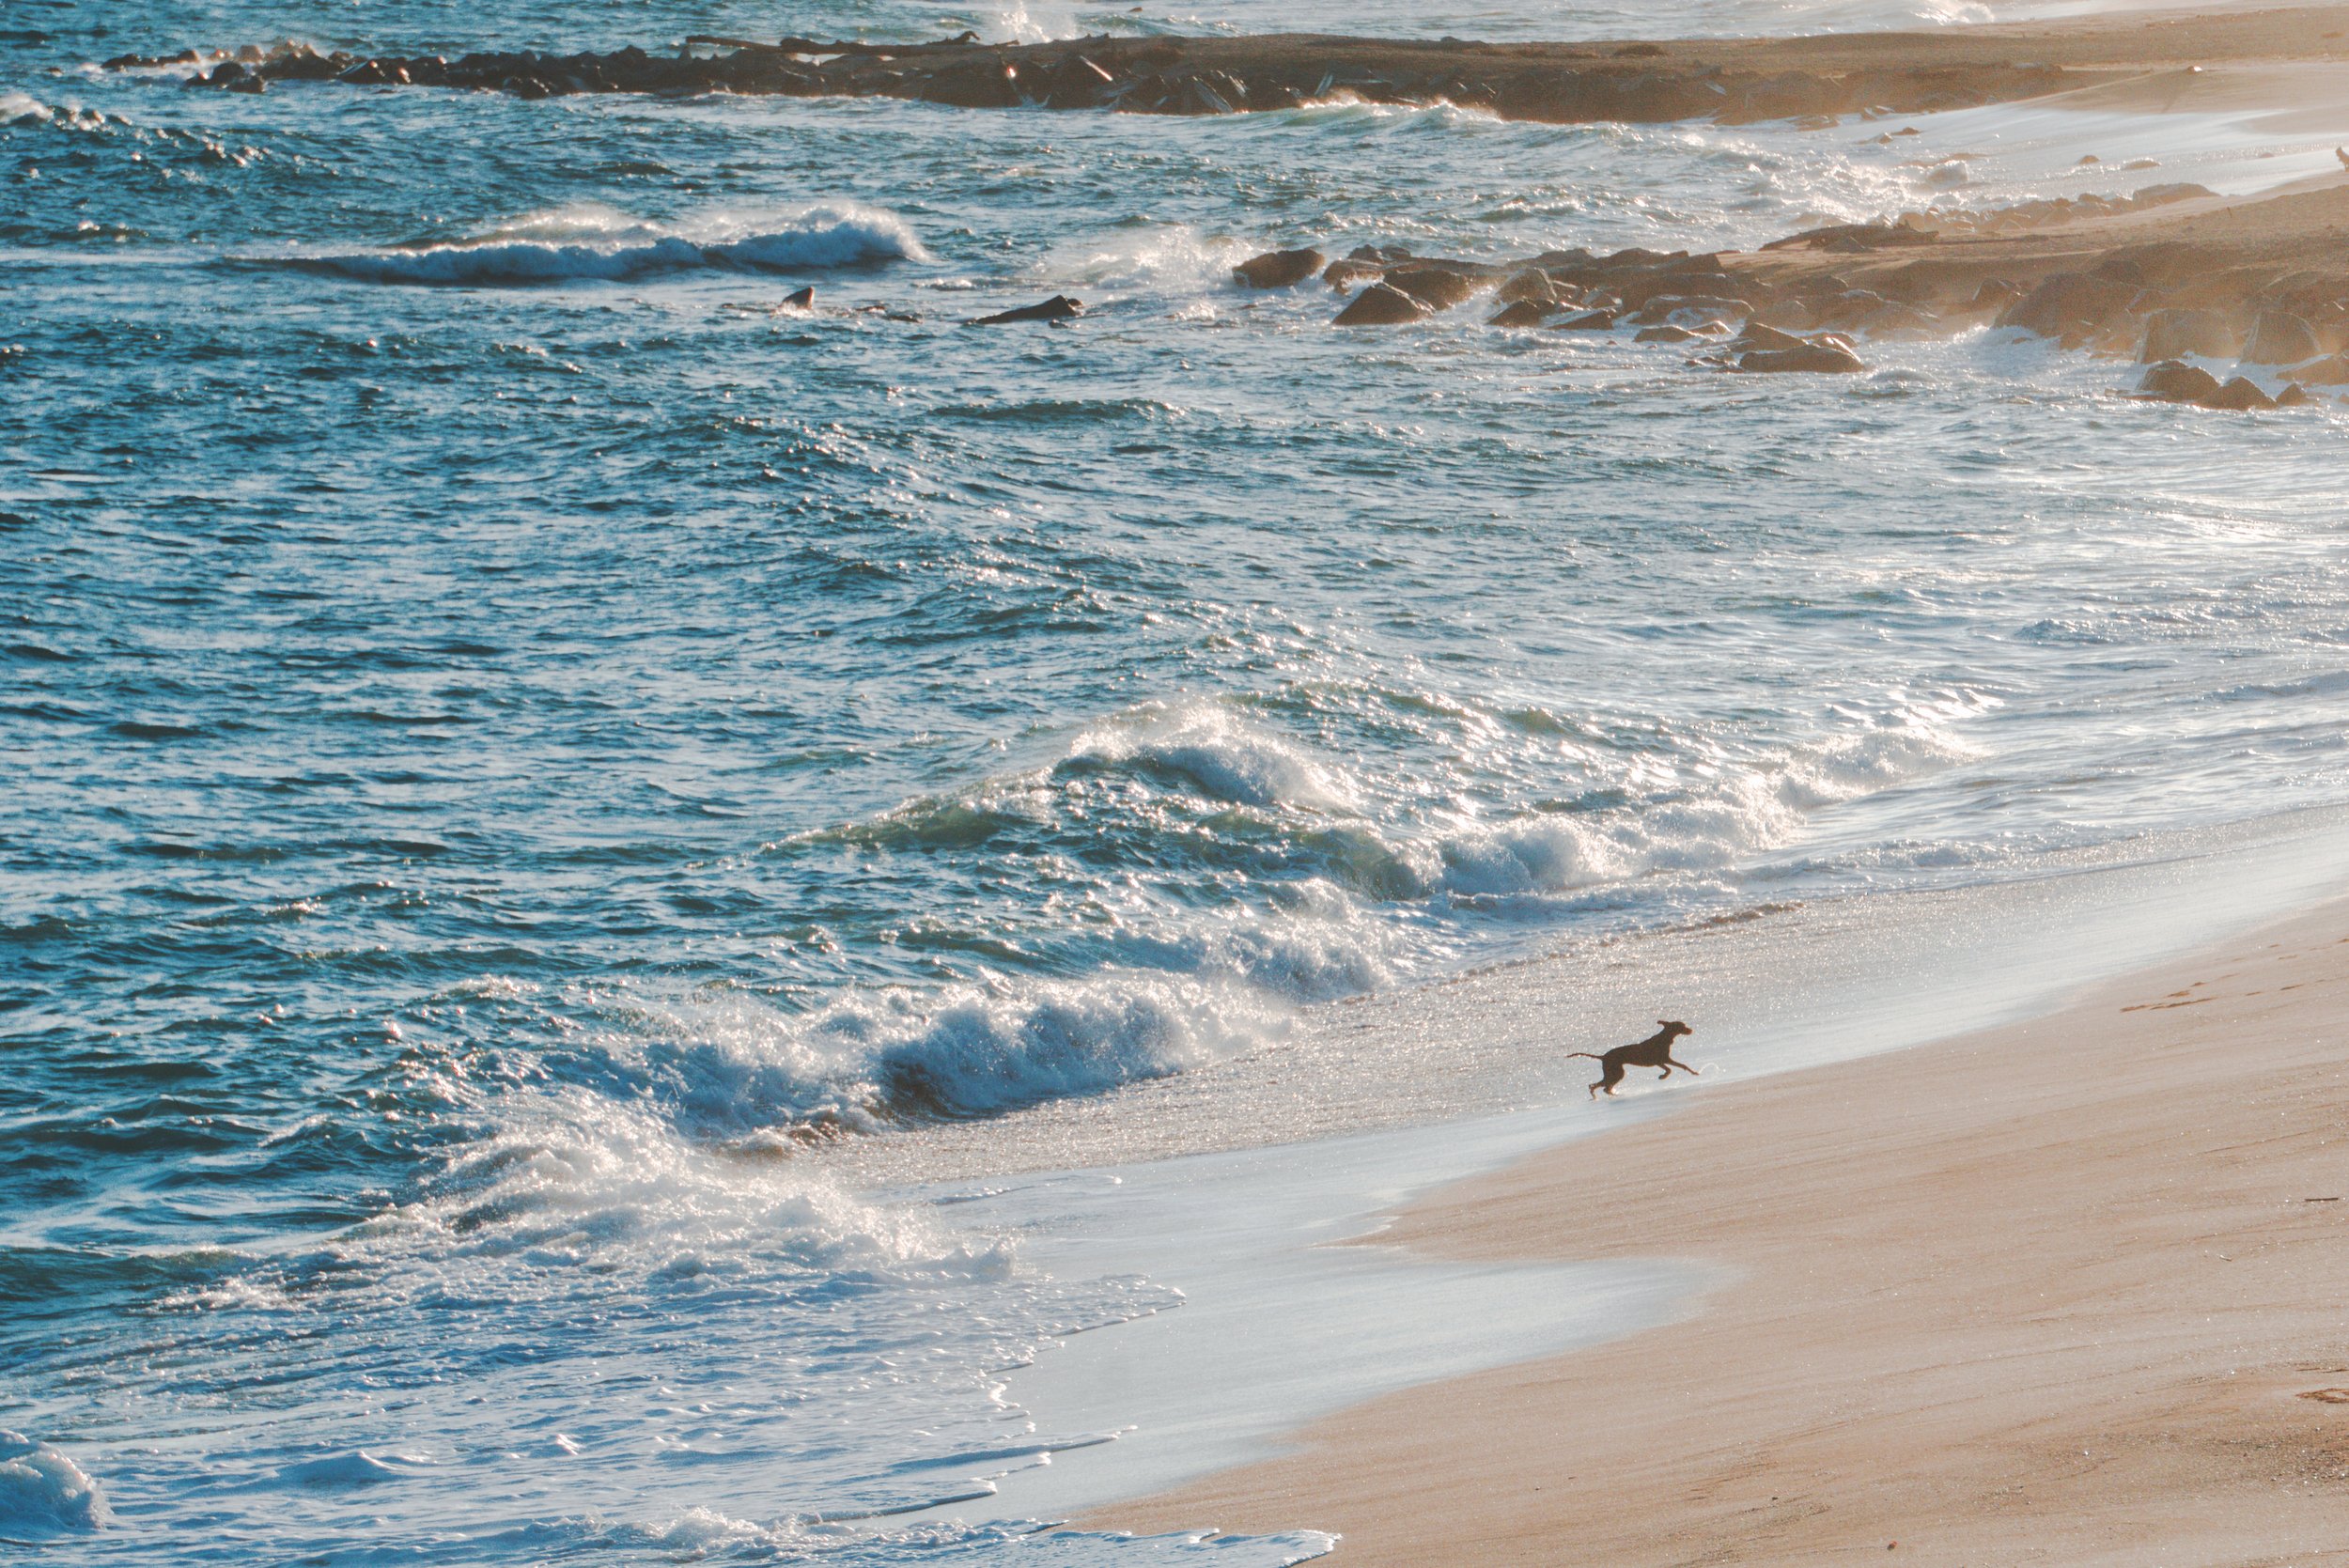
[2070,1291]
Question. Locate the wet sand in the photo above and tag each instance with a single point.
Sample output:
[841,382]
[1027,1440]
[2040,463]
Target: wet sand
[2067,1292]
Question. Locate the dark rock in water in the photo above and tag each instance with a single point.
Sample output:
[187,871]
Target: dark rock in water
[2175,382]
[801,298]
[248,84]
[1531,283]
[1381,306]
[1279,268]
[2294,396]
[2175,333]
[1060,307]
[1666,333]
[1523,313]
[1822,358]
[1438,287]
[1760,336]
[1589,321]
[2280,337]
[1344,274]
[2238,395]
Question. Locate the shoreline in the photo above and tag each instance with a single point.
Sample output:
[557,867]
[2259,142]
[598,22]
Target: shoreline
[2059,1290]
[1731,80]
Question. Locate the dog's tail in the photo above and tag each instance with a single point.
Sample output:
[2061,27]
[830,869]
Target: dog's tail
[1591,1054]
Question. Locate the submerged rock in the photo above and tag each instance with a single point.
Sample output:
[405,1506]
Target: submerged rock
[1279,268]
[1060,307]
[1381,305]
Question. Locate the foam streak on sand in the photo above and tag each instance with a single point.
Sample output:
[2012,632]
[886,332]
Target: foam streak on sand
[2067,1289]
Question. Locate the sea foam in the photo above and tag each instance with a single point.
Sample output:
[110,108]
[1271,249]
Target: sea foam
[44,1493]
[574,247]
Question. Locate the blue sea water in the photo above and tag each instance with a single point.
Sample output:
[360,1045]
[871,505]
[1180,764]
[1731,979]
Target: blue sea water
[520,746]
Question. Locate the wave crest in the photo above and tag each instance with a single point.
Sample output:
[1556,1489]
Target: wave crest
[591,244]
[44,1493]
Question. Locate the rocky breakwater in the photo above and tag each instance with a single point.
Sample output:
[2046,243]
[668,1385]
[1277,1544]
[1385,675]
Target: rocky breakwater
[2166,277]
[1557,82]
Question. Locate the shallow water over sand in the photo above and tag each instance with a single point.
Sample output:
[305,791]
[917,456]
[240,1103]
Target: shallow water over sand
[518,735]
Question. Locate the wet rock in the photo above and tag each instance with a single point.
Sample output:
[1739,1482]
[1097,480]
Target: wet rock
[1279,268]
[1763,337]
[2239,395]
[801,298]
[1994,296]
[1529,284]
[2175,382]
[1380,305]
[1824,357]
[1060,307]
[1438,288]
[1589,321]
[1524,312]
[2280,337]
[2294,396]
[2332,370]
[2175,333]
[1665,333]
[2071,307]
[1344,274]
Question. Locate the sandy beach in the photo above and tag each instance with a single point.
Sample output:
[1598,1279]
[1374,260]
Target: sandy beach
[2064,1292]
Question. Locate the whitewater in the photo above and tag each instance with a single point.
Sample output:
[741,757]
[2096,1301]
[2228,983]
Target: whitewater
[642,922]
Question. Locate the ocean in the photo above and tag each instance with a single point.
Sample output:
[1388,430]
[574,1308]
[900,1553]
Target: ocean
[590,858]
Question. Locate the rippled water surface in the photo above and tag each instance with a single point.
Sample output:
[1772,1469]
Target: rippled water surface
[519,741]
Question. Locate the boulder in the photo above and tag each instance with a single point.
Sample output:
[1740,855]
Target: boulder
[2280,337]
[1381,306]
[1588,321]
[2175,382]
[1762,335]
[2175,333]
[1279,268]
[801,299]
[1532,284]
[1823,358]
[1523,313]
[2070,307]
[1995,295]
[1060,307]
[1438,287]
[2332,370]
[2240,395]
[2294,396]
[1665,333]
[1344,275]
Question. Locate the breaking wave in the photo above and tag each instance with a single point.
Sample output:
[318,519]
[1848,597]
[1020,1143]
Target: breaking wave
[589,244]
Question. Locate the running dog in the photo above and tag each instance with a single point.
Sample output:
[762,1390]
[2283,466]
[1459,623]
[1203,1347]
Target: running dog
[1653,1051]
